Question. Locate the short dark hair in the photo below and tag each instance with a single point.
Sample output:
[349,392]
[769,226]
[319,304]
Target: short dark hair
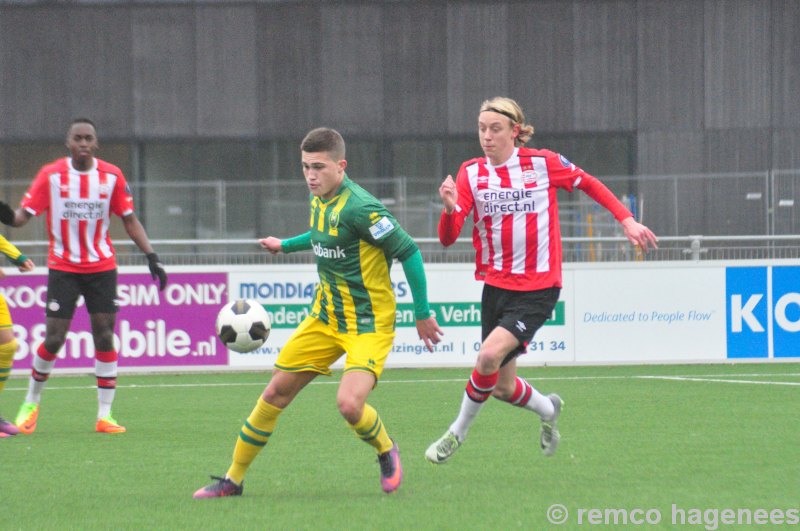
[83,120]
[324,139]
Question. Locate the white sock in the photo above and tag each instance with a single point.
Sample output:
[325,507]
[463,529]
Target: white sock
[35,387]
[106,373]
[105,397]
[469,410]
[34,390]
[541,405]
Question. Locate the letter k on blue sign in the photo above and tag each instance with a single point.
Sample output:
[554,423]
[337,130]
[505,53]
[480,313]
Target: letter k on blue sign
[763,311]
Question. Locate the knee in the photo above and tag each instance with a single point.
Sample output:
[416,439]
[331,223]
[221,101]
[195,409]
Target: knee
[489,360]
[273,395]
[350,408]
[277,395]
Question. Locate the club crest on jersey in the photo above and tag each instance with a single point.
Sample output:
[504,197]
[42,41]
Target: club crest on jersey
[333,220]
[529,177]
[104,189]
[381,228]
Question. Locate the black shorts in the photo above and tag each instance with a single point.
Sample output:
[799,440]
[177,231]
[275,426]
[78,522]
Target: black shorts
[99,290]
[520,312]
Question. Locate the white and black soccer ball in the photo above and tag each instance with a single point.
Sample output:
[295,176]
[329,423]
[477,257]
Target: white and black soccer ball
[243,325]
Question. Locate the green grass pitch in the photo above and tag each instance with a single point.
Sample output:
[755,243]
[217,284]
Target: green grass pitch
[633,437]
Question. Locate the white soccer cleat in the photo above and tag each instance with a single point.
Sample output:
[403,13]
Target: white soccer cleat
[549,436]
[443,449]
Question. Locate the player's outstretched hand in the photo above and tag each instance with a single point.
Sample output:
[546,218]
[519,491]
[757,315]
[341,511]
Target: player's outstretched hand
[26,266]
[449,194]
[429,332]
[639,235]
[157,270]
[271,244]
[6,214]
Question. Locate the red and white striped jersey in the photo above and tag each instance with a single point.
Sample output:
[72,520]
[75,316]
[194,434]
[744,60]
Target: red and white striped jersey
[516,233]
[78,206]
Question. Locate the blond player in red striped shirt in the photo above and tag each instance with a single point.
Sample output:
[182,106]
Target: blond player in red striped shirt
[511,193]
[78,194]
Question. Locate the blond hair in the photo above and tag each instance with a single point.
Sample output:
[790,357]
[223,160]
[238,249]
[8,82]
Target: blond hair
[510,109]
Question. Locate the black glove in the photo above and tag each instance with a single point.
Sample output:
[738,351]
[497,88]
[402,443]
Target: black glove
[157,270]
[7,214]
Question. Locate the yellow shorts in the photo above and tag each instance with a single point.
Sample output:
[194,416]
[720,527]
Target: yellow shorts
[5,315]
[315,346]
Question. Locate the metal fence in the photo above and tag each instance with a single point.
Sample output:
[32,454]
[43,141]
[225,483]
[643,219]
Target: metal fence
[751,215]
[673,205]
[575,249]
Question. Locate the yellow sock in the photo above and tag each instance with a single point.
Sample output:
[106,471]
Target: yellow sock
[7,351]
[370,429]
[253,436]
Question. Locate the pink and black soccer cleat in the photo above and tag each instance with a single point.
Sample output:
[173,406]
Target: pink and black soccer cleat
[391,469]
[7,429]
[221,487]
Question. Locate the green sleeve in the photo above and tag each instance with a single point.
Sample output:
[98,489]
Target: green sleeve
[297,243]
[415,274]
[14,255]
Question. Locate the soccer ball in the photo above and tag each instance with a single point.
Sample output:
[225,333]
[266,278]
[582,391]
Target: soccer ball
[243,325]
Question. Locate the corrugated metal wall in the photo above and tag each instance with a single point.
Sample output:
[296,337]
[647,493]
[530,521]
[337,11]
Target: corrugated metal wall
[702,85]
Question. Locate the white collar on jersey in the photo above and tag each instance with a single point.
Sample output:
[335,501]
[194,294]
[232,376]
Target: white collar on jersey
[93,168]
[505,163]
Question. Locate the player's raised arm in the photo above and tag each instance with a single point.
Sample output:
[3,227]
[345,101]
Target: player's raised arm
[449,194]
[275,245]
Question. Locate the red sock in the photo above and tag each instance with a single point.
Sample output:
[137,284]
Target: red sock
[480,386]
[522,393]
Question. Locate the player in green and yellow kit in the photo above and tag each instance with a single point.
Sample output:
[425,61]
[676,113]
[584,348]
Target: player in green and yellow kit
[355,240]
[8,344]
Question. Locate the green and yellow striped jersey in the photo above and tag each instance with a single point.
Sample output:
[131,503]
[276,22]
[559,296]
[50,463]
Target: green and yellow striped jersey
[354,239]
[11,251]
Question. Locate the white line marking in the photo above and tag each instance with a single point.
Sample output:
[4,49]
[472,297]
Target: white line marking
[721,378]
[717,380]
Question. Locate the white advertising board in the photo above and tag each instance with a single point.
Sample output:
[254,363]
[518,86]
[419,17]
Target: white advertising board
[638,312]
[454,297]
[649,314]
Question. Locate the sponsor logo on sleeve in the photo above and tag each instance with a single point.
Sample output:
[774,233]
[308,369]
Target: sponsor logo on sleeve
[566,163]
[381,228]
